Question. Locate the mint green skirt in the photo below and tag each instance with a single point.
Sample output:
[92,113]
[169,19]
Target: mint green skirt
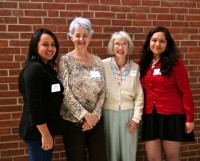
[120,144]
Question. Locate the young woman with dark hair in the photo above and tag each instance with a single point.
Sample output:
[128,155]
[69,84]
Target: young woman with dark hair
[42,95]
[168,117]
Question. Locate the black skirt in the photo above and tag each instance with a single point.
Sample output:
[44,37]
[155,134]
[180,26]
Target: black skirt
[165,127]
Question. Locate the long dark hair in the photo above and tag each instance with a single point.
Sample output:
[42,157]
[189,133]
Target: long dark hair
[168,58]
[33,52]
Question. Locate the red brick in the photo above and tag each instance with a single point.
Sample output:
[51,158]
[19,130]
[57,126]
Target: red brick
[121,22]
[89,14]
[18,13]
[131,3]
[16,115]
[53,13]
[5,131]
[10,5]
[77,7]
[55,21]
[194,11]
[120,9]
[10,65]
[159,10]
[151,3]
[6,102]
[4,116]
[4,12]
[30,20]
[112,2]
[166,17]
[6,159]
[35,13]
[19,28]
[19,43]
[3,28]
[3,86]
[178,24]
[30,5]
[53,6]
[179,10]
[8,145]
[3,43]
[13,152]
[188,4]
[99,8]
[137,16]
[194,24]
[20,158]
[169,4]
[8,20]
[9,35]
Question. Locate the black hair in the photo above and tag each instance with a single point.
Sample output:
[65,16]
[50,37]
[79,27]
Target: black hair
[33,52]
[168,58]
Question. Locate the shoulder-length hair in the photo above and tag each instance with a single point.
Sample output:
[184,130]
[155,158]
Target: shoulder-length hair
[168,58]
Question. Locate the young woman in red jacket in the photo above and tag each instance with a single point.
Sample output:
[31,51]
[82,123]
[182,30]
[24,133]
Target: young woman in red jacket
[168,117]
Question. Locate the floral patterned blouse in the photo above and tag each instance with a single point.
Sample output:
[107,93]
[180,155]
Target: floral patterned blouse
[84,87]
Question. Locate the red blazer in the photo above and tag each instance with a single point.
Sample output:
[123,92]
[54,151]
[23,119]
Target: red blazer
[171,95]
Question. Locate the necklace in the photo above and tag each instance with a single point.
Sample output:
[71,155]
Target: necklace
[81,60]
[154,62]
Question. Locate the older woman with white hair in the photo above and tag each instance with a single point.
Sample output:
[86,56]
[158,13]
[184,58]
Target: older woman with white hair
[82,76]
[123,106]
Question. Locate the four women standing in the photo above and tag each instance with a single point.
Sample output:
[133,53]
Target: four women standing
[89,85]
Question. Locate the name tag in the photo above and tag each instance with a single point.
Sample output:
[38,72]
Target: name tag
[95,74]
[133,73]
[55,87]
[156,72]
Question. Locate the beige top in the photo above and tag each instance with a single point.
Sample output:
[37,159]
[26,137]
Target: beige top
[127,96]
[84,87]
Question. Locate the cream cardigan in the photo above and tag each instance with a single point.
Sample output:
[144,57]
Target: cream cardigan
[127,96]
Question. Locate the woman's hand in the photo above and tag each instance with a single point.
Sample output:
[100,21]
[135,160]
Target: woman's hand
[132,126]
[189,127]
[86,126]
[47,142]
[91,119]
[47,139]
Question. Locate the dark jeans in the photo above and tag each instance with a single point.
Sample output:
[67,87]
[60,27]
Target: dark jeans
[76,142]
[36,153]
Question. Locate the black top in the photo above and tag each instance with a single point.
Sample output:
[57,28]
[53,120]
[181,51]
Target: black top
[42,93]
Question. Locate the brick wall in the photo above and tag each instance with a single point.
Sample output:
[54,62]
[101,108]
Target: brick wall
[20,18]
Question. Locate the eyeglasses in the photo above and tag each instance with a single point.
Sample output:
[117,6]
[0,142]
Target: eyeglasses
[124,45]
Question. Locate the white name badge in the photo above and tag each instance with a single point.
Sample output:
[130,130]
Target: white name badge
[55,87]
[95,74]
[133,73]
[156,72]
